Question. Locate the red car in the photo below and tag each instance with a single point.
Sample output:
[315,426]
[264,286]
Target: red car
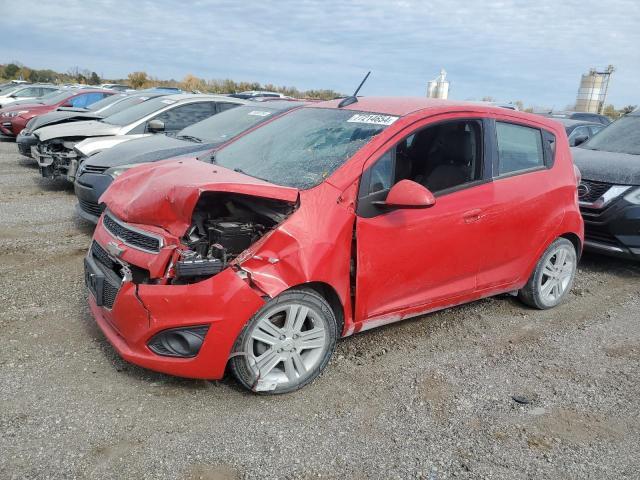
[325,222]
[14,118]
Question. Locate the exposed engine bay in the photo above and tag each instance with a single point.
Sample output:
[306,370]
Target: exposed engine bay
[223,226]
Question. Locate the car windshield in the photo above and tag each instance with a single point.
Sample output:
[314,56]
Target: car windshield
[56,96]
[228,124]
[622,136]
[137,111]
[124,103]
[106,101]
[7,89]
[302,148]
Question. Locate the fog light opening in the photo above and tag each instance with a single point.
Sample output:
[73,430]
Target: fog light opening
[178,342]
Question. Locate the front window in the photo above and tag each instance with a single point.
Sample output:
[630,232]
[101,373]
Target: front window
[138,112]
[228,124]
[619,137]
[303,148]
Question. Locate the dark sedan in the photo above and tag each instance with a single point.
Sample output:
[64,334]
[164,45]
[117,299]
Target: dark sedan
[610,190]
[579,131]
[98,171]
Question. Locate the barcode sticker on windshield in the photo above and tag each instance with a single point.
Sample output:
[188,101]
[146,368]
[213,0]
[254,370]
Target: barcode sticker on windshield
[259,113]
[168,102]
[373,119]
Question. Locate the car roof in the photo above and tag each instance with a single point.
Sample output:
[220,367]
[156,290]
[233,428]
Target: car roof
[402,106]
[570,122]
[205,96]
[276,104]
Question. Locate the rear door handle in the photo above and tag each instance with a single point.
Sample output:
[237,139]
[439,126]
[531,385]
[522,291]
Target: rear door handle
[472,215]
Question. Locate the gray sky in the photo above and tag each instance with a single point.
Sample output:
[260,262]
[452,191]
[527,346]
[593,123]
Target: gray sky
[508,49]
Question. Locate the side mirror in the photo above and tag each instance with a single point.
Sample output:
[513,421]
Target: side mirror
[408,194]
[67,104]
[155,126]
[579,140]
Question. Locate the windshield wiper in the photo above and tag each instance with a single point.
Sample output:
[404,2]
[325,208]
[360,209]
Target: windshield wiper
[191,138]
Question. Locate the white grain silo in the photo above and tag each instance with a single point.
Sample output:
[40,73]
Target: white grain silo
[592,93]
[439,87]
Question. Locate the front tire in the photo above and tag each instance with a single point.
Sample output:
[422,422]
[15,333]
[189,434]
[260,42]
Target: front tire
[553,276]
[286,344]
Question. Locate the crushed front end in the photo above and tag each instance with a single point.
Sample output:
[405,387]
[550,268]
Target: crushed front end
[176,304]
[57,157]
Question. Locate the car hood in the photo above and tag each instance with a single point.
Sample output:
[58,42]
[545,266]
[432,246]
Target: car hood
[25,105]
[610,167]
[147,149]
[89,128]
[164,194]
[58,117]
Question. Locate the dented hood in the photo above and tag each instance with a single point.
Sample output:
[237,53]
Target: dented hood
[90,128]
[165,193]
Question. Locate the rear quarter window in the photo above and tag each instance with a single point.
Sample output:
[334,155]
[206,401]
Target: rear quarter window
[520,148]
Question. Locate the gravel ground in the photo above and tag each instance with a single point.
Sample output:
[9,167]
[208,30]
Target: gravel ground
[427,398]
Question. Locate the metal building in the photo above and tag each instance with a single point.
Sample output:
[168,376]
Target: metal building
[438,87]
[592,93]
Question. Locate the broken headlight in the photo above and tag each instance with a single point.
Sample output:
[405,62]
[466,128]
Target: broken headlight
[115,172]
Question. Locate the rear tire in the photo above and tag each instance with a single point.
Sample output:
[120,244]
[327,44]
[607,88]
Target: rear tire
[286,344]
[553,276]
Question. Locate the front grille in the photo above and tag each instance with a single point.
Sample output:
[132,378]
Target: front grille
[109,293]
[93,169]
[112,277]
[131,236]
[91,208]
[590,191]
[102,256]
[600,235]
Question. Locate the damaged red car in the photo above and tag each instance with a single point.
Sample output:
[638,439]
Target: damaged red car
[325,222]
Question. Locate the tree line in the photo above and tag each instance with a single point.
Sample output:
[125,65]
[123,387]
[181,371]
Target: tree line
[140,79]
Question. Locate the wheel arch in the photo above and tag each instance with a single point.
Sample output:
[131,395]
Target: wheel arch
[575,239]
[330,294]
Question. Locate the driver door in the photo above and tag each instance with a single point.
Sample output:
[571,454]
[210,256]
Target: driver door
[413,260]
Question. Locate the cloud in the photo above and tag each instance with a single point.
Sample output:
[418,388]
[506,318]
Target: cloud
[509,49]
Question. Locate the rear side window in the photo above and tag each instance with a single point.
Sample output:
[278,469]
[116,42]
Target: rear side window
[519,148]
[184,115]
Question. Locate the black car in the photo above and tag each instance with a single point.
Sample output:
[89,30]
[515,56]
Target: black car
[579,131]
[584,116]
[200,139]
[609,193]
[101,109]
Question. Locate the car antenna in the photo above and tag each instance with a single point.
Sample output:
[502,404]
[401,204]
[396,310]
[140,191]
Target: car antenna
[353,98]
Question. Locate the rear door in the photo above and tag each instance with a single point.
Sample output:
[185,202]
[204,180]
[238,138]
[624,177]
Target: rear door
[522,207]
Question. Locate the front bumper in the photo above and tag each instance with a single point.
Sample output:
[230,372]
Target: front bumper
[613,230]
[225,302]
[25,142]
[88,188]
[11,126]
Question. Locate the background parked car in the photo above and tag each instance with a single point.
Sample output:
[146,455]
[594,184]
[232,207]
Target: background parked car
[610,189]
[579,131]
[14,118]
[97,172]
[25,92]
[589,117]
[258,94]
[109,105]
[61,146]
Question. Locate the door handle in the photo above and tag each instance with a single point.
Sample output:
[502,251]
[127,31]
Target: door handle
[472,215]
